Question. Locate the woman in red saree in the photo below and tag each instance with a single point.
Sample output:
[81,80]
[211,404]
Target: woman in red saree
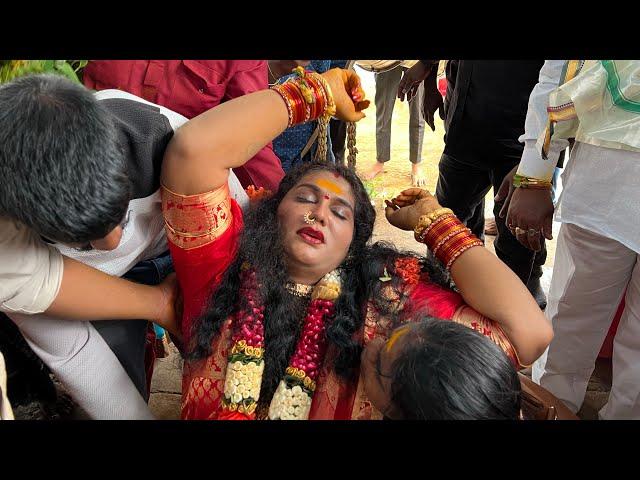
[278,308]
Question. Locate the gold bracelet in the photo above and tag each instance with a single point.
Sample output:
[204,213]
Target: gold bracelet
[522,181]
[439,212]
[330,109]
[426,220]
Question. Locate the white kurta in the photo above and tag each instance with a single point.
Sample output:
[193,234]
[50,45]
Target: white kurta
[596,260]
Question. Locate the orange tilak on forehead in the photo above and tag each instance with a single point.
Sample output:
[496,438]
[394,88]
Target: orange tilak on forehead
[395,336]
[329,185]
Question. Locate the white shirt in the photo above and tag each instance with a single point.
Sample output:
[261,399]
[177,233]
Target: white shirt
[531,163]
[30,270]
[600,185]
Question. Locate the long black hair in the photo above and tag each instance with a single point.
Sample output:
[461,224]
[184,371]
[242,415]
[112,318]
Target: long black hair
[261,246]
[448,371]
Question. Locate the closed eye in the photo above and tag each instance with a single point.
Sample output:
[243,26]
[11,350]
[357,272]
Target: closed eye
[339,214]
[306,199]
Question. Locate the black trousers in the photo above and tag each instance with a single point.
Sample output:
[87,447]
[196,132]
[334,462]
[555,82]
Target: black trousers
[464,181]
[127,339]
[338,134]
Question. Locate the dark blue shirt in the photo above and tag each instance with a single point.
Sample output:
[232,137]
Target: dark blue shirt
[289,145]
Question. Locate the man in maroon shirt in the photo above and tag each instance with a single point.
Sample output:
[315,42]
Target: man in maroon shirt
[191,87]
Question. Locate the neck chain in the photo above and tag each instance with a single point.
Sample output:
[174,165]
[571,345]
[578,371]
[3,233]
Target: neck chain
[299,289]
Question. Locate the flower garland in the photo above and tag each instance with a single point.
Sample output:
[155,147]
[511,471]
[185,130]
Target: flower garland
[292,399]
[408,268]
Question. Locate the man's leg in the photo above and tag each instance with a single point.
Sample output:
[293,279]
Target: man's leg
[462,187]
[624,400]
[83,362]
[476,222]
[590,274]
[386,92]
[416,137]
[338,133]
[127,338]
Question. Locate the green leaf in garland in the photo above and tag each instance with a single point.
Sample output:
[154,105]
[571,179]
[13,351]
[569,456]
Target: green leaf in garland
[385,277]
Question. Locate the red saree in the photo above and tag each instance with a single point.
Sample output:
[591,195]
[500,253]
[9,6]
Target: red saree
[203,232]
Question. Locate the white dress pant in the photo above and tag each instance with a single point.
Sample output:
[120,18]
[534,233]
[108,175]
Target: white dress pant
[590,275]
[85,365]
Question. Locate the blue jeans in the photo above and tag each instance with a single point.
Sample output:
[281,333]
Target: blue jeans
[127,338]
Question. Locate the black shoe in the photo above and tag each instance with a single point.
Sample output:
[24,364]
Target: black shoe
[537,292]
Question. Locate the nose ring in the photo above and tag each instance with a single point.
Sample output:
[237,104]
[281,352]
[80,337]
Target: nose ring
[309,218]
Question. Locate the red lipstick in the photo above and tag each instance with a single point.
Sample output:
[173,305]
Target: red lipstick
[311,235]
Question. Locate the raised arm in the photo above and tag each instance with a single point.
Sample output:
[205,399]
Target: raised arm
[484,281]
[203,150]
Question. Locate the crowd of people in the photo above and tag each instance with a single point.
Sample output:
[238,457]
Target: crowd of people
[208,201]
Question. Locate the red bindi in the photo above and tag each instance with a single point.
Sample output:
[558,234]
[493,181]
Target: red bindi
[327,197]
[336,174]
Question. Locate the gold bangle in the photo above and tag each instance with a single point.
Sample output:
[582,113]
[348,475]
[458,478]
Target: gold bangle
[438,212]
[330,108]
[522,181]
[423,222]
[426,220]
[426,231]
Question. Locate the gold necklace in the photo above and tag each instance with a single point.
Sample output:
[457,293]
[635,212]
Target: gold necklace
[275,79]
[299,289]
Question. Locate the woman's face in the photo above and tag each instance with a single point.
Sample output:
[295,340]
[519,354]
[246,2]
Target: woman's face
[376,366]
[316,219]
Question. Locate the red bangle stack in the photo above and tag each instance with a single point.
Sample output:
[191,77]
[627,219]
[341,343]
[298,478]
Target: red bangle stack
[447,237]
[306,97]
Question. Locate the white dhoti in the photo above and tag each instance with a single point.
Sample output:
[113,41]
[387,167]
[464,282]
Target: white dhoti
[590,275]
[596,261]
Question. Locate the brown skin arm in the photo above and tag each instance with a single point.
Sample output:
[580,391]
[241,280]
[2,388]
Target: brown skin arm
[203,150]
[89,294]
[484,281]
[526,209]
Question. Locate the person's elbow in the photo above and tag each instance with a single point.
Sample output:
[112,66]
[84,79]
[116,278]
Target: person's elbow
[539,339]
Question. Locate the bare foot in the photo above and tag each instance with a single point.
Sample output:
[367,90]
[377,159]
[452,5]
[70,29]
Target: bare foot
[417,177]
[490,227]
[377,168]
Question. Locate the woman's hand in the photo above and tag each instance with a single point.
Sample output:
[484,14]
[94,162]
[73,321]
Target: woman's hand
[404,210]
[170,306]
[347,94]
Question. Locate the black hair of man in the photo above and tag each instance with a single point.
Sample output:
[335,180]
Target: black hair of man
[62,170]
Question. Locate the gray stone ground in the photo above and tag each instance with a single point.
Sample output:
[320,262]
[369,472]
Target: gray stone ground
[166,386]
